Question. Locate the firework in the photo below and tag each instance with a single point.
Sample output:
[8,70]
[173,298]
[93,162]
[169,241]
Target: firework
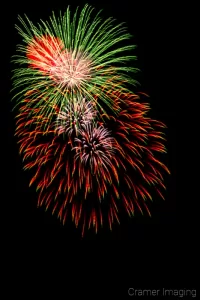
[74,115]
[94,147]
[105,169]
[48,55]
[67,57]
[88,139]
[43,53]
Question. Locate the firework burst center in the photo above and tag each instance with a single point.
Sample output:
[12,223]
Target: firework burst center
[70,70]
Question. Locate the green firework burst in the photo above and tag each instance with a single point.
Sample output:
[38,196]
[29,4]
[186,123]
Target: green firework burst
[69,56]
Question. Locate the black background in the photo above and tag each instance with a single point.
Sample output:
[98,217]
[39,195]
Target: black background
[150,27]
[153,27]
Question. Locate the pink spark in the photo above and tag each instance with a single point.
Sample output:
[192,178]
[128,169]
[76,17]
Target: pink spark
[95,146]
[74,115]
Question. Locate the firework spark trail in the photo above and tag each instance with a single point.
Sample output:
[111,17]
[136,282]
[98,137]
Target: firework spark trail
[75,181]
[44,52]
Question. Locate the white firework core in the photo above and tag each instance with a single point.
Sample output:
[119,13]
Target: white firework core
[70,70]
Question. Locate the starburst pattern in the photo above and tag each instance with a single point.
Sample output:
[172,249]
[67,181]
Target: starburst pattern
[90,181]
[47,54]
[70,70]
[74,115]
[76,56]
[94,147]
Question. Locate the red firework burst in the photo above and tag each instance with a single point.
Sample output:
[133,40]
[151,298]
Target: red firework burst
[121,151]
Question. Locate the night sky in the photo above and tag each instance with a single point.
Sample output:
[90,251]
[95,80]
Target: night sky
[152,27]
[151,34]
